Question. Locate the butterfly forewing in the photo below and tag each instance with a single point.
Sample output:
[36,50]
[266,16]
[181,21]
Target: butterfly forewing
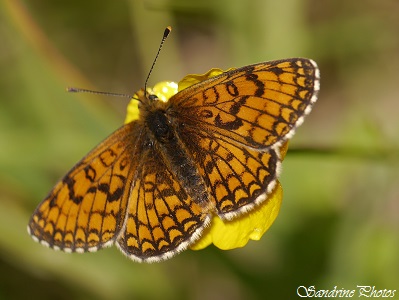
[86,209]
[256,106]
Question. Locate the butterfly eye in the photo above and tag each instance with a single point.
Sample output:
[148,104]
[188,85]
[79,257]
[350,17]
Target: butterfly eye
[152,97]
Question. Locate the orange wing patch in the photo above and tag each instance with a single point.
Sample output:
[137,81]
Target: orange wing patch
[86,208]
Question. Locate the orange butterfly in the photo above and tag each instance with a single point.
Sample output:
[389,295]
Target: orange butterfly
[152,186]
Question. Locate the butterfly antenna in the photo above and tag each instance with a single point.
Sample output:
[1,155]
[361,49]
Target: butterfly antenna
[79,90]
[165,35]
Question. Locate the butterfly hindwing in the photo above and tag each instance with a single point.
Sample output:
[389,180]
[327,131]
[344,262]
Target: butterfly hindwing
[237,177]
[162,219]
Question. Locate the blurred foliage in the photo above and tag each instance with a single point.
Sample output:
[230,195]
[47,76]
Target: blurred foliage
[339,223]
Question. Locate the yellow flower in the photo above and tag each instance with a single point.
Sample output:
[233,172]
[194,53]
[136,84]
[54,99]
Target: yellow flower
[249,226]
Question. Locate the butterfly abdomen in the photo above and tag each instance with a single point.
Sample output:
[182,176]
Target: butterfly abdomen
[176,155]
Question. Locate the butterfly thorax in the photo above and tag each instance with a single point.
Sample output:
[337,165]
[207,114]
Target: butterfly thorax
[163,129]
[160,127]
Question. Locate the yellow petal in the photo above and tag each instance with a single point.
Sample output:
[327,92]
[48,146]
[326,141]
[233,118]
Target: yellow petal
[251,226]
[132,111]
[165,89]
[191,79]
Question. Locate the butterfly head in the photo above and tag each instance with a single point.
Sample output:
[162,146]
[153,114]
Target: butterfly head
[152,97]
[145,98]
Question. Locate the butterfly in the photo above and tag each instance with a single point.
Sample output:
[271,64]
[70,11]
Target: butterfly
[154,184]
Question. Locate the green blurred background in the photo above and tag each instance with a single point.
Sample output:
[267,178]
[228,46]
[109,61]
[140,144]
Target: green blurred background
[339,222]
